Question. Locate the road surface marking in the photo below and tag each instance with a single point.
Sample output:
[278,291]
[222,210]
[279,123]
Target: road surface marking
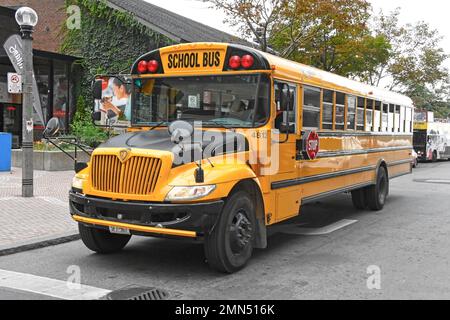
[48,287]
[318,231]
[438,181]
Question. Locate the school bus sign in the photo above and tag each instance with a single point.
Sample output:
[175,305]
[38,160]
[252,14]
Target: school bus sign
[199,60]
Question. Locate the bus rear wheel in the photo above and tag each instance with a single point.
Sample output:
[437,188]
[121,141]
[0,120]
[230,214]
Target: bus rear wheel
[359,199]
[229,247]
[102,241]
[377,194]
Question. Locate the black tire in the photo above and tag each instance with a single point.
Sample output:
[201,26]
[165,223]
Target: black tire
[416,163]
[359,199]
[229,247]
[102,241]
[435,157]
[377,194]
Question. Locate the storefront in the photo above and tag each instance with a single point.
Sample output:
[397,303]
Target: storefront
[55,84]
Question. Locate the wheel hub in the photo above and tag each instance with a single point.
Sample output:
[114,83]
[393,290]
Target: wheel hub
[240,232]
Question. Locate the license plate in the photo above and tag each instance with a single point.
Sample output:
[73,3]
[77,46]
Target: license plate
[117,230]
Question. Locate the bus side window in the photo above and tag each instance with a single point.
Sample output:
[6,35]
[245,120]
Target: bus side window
[292,113]
[397,119]
[311,108]
[340,111]
[384,118]
[391,118]
[369,115]
[377,117]
[360,114]
[402,119]
[408,120]
[327,113]
[351,113]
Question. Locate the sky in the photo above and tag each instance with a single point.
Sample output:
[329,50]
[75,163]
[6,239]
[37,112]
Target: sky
[435,12]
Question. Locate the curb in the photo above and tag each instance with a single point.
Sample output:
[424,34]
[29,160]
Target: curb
[38,244]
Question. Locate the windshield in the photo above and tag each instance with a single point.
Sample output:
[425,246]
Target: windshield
[228,101]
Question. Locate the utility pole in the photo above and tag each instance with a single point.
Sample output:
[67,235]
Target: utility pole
[27,19]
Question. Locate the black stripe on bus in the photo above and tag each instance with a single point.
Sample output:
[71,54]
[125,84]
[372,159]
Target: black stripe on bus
[299,181]
[319,177]
[332,154]
[326,134]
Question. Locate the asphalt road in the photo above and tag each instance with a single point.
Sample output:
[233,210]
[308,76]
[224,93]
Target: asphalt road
[408,241]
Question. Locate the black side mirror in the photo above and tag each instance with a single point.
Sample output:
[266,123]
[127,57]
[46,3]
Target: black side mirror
[97,89]
[80,166]
[96,116]
[52,128]
[287,128]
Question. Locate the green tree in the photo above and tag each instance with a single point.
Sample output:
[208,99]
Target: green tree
[416,66]
[330,34]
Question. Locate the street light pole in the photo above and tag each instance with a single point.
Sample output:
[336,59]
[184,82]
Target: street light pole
[27,19]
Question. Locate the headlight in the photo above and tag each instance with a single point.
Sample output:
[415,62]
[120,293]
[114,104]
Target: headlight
[77,182]
[189,193]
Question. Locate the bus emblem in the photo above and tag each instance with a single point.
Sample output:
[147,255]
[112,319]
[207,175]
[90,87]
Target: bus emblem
[123,155]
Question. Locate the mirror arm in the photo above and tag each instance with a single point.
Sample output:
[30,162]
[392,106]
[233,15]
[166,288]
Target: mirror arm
[61,149]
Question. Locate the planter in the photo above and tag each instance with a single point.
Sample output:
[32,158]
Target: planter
[49,160]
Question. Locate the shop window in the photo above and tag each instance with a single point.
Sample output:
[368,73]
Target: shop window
[360,114]
[311,108]
[327,113]
[60,93]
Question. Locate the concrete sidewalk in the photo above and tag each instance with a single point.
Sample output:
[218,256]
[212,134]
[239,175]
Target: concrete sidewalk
[35,222]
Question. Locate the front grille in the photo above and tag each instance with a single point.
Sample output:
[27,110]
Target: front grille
[138,175]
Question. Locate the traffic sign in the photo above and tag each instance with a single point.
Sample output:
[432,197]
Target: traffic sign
[14,83]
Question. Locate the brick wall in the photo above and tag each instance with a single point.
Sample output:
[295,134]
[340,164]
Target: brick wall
[51,17]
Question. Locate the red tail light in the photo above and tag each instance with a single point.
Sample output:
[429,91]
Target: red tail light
[142,66]
[235,62]
[153,66]
[247,61]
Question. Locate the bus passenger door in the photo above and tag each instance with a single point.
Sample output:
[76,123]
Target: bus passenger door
[286,198]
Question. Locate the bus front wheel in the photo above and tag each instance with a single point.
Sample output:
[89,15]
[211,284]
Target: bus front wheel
[229,246]
[377,194]
[102,241]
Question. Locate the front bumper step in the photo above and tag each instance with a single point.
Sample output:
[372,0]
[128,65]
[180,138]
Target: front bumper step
[133,227]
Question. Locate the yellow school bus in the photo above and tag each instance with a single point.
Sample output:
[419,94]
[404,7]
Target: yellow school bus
[226,141]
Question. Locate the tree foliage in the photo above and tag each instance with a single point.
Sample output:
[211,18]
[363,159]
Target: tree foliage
[345,37]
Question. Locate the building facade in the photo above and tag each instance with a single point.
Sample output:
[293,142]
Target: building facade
[54,71]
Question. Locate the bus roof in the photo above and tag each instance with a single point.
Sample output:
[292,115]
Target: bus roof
[328,80]
[283,68]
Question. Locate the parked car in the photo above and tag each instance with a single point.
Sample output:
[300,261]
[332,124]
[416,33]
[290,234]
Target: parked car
[415,159]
